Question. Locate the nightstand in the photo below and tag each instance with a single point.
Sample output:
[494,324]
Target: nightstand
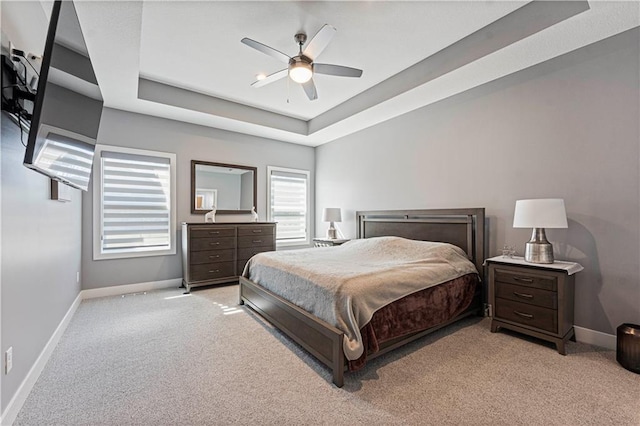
[328,242]
[533,298]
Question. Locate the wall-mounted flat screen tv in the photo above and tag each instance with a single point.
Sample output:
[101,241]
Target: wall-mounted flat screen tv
[68,104]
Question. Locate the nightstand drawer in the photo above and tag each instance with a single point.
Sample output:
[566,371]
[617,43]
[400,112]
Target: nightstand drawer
[525,279]
[528,295]
[529,315]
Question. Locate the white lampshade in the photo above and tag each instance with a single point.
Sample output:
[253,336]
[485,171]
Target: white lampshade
[540,213]
[300,72]
[331,214]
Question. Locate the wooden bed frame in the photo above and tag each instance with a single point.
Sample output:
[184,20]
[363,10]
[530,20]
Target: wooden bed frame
[462,227]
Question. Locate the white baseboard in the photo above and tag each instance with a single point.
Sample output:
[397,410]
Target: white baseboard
[596,338]
[117,290]
[14,406]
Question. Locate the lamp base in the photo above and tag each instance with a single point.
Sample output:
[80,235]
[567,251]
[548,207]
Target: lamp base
[331,232]
[538,249]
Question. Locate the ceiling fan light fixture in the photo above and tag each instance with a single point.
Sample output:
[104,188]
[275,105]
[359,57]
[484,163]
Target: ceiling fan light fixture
[300,72]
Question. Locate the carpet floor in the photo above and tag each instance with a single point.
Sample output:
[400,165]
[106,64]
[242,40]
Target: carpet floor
[164,358]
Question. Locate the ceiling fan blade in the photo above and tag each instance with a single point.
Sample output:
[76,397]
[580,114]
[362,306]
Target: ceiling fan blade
[319,42]
[266,50]
[337,70]
[310,90]
[270,78]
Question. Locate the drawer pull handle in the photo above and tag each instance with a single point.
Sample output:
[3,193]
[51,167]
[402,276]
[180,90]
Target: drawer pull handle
[214,232]
[523,295]
[214,244]
[214,257]
[257,231]
[524,280]
[214,271]
[523,315]
[257,241]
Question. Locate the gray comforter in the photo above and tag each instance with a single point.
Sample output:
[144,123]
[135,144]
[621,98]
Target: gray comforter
[346,285]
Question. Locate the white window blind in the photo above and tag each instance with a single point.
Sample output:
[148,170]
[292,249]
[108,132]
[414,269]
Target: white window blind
[135,203]
[289,193]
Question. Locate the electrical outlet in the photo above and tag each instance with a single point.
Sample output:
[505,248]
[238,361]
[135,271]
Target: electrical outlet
[8,360]
[77,277]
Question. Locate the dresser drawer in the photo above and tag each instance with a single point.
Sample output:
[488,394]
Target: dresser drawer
[212,271]
[211,256]
[211,232]
[198,244]
[255,230]
[255,241]
[529,315]
[528,295]
[525,279]
[247,253]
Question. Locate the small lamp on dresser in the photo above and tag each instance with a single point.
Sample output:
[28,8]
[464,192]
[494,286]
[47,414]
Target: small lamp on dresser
[331,215]
[539,214]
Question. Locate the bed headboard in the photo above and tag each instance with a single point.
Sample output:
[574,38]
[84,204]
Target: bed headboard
[461,227]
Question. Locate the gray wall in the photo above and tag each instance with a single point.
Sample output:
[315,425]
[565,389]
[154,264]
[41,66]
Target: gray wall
[566,128]
[40,258]
[40,238]
[188,142]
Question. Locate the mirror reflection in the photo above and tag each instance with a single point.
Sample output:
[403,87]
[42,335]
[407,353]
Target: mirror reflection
[229,188]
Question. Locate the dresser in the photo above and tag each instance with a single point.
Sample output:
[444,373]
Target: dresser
[533,299]
[216,253]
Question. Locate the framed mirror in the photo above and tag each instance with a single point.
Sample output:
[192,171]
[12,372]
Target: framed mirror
[229,187]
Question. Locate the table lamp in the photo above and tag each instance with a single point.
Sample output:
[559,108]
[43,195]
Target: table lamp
[539,214]
[331,215]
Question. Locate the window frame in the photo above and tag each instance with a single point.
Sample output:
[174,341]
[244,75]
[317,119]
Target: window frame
[307,173]
[98,180]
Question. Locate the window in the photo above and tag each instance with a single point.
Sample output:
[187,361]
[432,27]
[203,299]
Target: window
[133,203]
[289,204]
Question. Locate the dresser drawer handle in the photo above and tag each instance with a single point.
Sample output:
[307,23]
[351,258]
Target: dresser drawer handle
[523,315]
[214,232]
[214,271]
[257,241]
[524,280]
[214,257]
[257,231]
[523,295]
[214,244]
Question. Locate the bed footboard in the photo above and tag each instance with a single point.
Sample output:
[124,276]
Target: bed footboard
[321,339]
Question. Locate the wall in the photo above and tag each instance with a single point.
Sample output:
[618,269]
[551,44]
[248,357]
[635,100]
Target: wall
[41,256]
[40,237]
[188,142]
[566,128]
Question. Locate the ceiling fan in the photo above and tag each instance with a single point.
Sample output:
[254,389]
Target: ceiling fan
[302,67]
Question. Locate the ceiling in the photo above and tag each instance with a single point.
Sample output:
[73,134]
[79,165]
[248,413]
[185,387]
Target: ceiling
[184,60]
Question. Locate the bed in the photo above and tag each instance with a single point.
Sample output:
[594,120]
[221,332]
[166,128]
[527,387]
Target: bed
[463,228]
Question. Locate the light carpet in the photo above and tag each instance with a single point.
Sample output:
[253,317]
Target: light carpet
[165,358]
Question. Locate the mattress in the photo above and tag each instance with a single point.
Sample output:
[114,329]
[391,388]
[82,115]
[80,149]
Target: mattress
[345,285]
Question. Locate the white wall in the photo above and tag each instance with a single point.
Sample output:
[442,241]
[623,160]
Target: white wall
[188,142]
[566,128]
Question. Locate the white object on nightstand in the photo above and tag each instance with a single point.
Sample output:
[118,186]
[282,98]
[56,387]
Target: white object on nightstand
[569,267]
